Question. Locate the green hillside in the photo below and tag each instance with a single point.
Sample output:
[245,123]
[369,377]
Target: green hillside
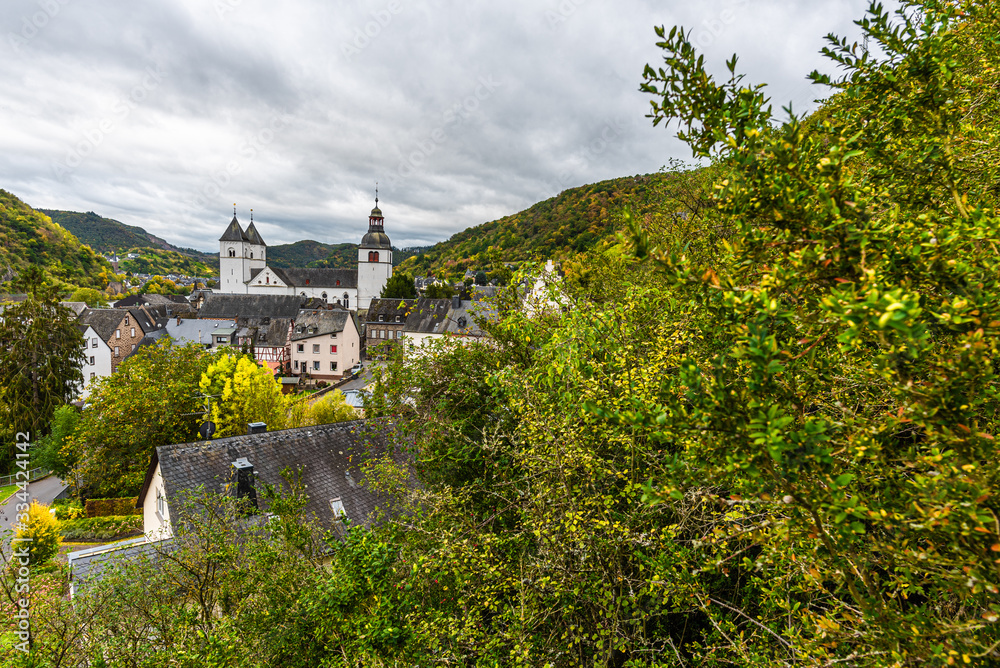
[301,253]
[160,261]
[29,237]
[556,228]
[106,234]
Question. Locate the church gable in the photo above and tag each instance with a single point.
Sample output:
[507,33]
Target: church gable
[267,276]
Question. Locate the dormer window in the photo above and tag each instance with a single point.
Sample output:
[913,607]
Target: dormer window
[381,318]
[338,281]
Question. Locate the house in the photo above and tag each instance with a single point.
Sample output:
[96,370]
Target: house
[230,307]
[243,268]
[211,334]
[325,344]
[330,458]
[96,358]
[384,323]
[121,329]
[270,340]
[438,318]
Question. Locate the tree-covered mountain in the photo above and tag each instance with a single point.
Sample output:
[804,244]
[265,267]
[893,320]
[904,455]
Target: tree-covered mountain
[561,226]
[106,234]
[302,253]
[30,238]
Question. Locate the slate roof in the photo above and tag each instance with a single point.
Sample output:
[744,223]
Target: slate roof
[318,278]
[329,456]
[103,320]
[87,565]
[234,232]
[197,331]
[228,307]
[462,318]
[389,309]
[75,307]
[427,316]
[254,236]
[151,300]
[265,331]
[142,319]
[319,322]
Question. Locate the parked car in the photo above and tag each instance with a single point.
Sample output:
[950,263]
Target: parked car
[356,369]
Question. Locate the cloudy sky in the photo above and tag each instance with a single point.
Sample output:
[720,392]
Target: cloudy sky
[163,113]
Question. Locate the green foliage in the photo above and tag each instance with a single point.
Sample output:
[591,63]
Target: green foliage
[439,290]
[29,238]
[48,451]
[330,408]
[40,530]
[150,400]
[246,392]
[105,527]
[68,509]
[158,261]
[90,296]
[41,351]
[115,506]
[159,285]
[310,253]
[399,286]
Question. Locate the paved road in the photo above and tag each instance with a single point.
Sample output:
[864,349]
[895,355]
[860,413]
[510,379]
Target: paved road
[44,491]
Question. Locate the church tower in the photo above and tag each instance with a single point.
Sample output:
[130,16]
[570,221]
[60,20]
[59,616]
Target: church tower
[374,259]
[234,250]
[256,249]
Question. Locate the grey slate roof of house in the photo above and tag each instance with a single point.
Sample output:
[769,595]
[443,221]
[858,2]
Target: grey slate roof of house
[427,316]
[87,565]
[265,331]
[234,232]
[329,457]
[103,320]
[151,300]
[389,309]
[228,307]
[75,307]
[196,331]
[319,322]
[462,318]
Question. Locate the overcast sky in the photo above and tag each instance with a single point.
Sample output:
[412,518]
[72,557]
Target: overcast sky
[163,113]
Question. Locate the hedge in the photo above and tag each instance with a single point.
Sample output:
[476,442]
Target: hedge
[106,507]
[100,528]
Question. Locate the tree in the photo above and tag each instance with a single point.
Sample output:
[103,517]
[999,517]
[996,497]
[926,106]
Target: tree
[41,353]
[399,286]
[40,531]
[48,451]
[481,278]
[93,298]
[151,400]
[439,290]
[331,407]
[246,392]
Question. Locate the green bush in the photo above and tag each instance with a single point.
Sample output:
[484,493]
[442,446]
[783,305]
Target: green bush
[67,509]
[101,528]
[106,507]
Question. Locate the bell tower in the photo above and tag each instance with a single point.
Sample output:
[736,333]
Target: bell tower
[374,258]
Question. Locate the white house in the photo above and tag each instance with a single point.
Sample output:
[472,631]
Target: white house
[96,359]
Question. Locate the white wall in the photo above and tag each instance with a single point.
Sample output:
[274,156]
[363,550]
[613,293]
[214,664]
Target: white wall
[155,525]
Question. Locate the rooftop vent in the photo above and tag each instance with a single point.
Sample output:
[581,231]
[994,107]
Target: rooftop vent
[246,495]
[256,427]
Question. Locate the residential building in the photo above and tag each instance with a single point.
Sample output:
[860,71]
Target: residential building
[270,340]
[96,358]
[211,334]
[325,344]
[384,323]
[438,318]
[121,329]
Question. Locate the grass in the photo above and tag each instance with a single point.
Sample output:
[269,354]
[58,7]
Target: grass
[6,491]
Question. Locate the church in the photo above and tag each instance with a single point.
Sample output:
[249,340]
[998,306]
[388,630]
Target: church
[243,268]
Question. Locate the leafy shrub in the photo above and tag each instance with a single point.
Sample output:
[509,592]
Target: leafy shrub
[106,507]
[43,530]
[67,509]
[101,528]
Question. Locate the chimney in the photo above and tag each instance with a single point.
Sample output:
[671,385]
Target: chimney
[245,491]
[456,302]
[256,427]
[178,320]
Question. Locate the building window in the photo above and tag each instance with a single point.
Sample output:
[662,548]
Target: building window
[267,279]
[300,348]
[347,303]
[251,255]
[397,318]
[232,253]
[316,365]
[133,331]
[315,349]
[133,347]
[161,502]
[118,333]
[93,343]
[116,351]
[333,366]
[381,318]
[333,349]
[338,281]
[324,296]
[92,374]
[91,361]
[296,365]
[307,281]
[126,321]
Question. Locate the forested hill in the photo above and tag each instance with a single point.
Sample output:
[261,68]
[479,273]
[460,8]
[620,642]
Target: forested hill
[29,237]
[106,234]
[573,221]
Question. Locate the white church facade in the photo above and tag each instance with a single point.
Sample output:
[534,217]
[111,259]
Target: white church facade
[243,268]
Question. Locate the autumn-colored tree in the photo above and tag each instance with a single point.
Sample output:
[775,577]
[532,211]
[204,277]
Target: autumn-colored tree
[243,392]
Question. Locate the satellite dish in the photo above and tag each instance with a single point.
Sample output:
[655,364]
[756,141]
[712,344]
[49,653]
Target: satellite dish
[206,429]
